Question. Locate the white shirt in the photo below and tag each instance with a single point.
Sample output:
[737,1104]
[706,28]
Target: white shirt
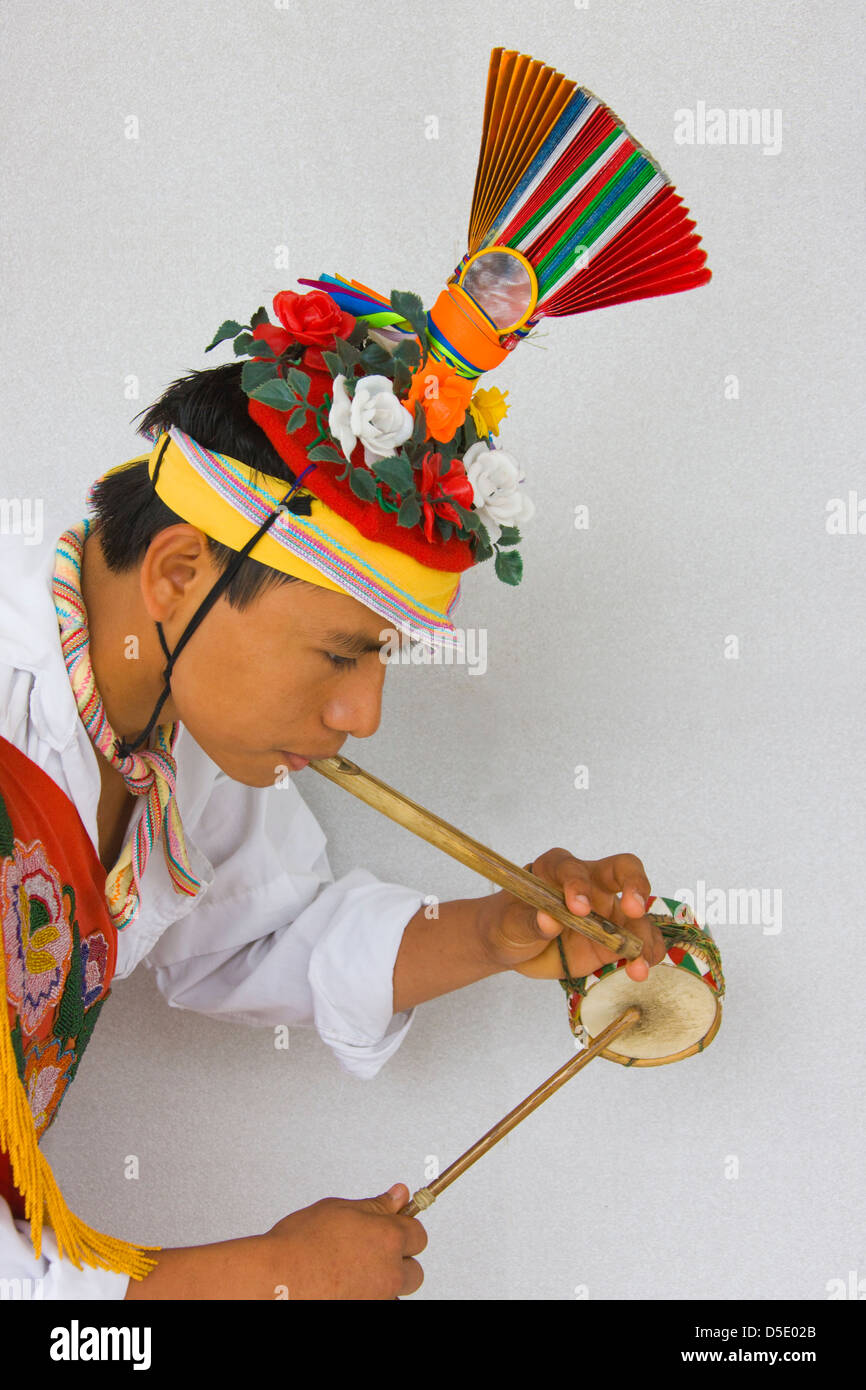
[270,938]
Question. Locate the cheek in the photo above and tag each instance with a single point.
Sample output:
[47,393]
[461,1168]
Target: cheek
[210,703]
[247,708]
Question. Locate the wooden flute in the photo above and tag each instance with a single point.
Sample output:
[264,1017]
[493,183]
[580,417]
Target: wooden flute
[523,884]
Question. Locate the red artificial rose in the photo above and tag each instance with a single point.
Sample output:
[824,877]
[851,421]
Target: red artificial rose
[276,338]
[313,318]
[436,490]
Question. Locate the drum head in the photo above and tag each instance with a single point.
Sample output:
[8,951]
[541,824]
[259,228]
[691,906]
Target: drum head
[680,1014]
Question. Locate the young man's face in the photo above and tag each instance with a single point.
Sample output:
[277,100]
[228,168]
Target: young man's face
[288,677]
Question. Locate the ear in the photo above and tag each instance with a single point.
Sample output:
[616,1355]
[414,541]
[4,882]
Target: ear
[177,570]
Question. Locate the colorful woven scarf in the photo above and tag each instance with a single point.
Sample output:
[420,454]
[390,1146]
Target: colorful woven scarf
[151,773]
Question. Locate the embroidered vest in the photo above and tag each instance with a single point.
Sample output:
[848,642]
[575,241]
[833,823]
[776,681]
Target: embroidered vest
[58,960]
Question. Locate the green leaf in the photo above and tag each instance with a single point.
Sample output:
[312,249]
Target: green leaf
[402,378]
[333,363]
[376,360]
[348,355]
[419,429]
[409,353]
[260,316]
[470,433]
[296,419]
[483,548]
[325,453]
[509,535]
[508,566]
[444,528]
[243,343]
[394,472]
[471,520]
[226,330]
[259,348]
[299,380]
[410,512]
[254,373]
[363,484]
[410,308]
[276,394]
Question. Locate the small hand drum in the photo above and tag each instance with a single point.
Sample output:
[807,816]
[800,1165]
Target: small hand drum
[680,1000]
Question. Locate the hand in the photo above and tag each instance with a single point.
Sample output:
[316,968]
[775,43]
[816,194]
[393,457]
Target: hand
[341,1249]
[334,1249]
[519,938]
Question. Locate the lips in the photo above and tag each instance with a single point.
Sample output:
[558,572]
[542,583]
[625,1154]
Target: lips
[298,760]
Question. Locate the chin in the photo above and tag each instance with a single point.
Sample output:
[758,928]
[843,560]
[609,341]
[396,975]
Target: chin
[265,771]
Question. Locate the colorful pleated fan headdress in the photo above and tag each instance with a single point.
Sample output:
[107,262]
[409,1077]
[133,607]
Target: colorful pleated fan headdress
[375,400]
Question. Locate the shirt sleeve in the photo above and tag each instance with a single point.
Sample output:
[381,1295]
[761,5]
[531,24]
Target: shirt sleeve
[277,940]
[49,1277]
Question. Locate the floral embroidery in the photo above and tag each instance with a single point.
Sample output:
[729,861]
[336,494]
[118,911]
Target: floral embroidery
[48,1070]
[37,936]
[94,959]
[50,970]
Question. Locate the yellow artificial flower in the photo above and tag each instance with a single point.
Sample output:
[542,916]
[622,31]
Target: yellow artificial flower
[487,407]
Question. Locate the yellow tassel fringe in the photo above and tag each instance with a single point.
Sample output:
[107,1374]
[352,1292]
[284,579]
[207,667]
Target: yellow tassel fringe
[32,1175]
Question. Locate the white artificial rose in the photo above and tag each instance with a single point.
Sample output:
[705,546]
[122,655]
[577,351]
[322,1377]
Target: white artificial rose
[378,419]
[497,497]
[339,417]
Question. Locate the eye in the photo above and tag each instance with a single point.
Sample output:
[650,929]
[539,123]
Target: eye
[341,662]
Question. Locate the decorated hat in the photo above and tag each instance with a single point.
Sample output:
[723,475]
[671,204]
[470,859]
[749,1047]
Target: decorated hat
[401,483]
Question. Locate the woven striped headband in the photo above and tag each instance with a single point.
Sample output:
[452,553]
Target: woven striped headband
[230,502]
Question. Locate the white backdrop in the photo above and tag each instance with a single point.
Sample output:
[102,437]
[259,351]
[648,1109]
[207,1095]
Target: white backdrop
[698,648]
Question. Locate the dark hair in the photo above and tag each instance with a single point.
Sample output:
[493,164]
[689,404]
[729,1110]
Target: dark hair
[212,408]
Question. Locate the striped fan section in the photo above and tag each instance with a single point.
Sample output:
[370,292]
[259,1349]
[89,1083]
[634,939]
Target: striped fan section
[561,180]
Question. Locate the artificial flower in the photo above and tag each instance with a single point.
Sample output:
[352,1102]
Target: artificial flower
[487,407]
[443,396]
[313,319]
[497,496]
[439,490]
[374,415]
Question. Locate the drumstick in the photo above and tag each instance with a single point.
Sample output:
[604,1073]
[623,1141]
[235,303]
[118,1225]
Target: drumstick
[425,1196]
[524,885]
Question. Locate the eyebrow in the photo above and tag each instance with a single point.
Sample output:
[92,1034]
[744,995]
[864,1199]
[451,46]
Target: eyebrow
[355,643]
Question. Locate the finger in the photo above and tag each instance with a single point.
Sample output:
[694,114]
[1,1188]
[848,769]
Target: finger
[625,874]
[413,1277]
[652,947]
[547,925]
[415,1237]
[571,875]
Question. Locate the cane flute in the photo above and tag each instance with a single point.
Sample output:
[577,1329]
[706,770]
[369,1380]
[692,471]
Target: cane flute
[520,882]
[425,1196]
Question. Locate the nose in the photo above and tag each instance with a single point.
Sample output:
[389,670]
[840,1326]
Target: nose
[357,709]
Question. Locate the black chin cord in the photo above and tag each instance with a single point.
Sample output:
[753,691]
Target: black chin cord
[125,747]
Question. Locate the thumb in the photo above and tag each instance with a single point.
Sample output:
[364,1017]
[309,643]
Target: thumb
[547,926]
[388,1202]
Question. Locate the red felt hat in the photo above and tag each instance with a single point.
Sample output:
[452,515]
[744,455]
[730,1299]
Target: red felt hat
[371,520]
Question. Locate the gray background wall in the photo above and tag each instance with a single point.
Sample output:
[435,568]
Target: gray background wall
[304,126]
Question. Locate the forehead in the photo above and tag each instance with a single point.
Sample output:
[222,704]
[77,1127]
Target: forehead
[330,616]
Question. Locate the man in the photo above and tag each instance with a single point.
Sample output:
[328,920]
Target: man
[153,646]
